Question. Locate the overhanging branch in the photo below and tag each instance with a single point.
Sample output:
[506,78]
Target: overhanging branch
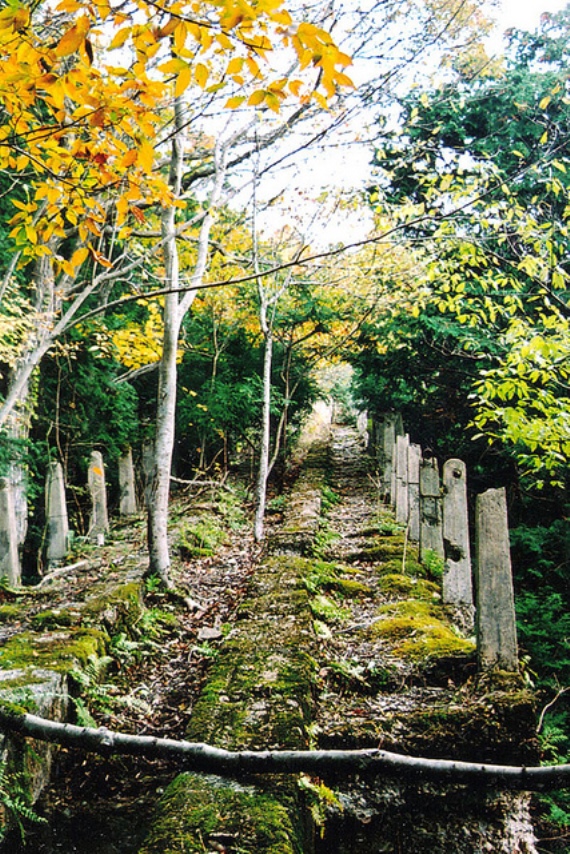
[204,758]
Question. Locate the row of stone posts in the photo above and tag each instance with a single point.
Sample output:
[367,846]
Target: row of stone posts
[435,513]
[57,524]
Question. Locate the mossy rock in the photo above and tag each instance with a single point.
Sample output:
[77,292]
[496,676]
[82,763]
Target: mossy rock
[419,632]
[199,813]
[57,651]
[349,588]
[412,567]
[498,727]
[118,608]
[378,552]
[8,613]
[326,609]
[397,584]
[55,619]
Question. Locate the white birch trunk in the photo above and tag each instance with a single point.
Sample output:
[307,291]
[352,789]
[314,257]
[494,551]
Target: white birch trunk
[159,487]
[263,472]
[175,307]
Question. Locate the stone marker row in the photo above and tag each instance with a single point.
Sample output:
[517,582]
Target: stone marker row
[57,524]
[435,513]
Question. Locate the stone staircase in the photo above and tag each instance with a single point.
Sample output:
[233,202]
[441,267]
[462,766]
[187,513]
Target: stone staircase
[341,641]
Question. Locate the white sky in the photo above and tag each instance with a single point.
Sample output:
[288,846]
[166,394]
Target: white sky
[348,172]
[525,14]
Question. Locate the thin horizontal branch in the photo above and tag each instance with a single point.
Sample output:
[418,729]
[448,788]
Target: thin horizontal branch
[207,759]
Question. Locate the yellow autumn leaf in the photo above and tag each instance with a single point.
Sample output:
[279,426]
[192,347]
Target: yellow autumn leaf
[272,101]
[79,256]
[295,87]
[253,67]
[31,233]
[235,65]
[180,35]
[183,80]
[168,28]
[173,66]
[235,102]
[201,74]
[256,98]
[69,42]
[21,19]
[145,156]
[343,80]
[120,38]
[129,158]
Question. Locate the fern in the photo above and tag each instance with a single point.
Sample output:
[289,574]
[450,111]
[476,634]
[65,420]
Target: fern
[14,800]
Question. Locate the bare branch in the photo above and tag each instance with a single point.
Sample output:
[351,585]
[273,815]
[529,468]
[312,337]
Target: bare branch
[204,758]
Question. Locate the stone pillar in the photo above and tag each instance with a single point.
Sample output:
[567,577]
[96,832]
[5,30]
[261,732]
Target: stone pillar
[402,498]
[496,627]
[362,427]
[457,581]
[414,463]
[431,509]
[56,515]
[387,427]
[99,521]
[128,499]
[9,556]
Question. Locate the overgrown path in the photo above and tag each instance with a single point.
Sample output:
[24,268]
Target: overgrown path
[333,636]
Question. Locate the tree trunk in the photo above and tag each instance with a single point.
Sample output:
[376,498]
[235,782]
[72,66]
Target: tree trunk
[263,471]
[176,304]
[159,487]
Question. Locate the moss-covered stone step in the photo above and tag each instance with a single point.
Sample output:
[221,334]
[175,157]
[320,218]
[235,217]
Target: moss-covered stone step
[35,666]
[259,695]
[204,813]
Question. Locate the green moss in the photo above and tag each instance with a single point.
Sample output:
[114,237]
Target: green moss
[56,651]
[328,610]
[380,551]
[201,538]
[388,527]
[53,619]
[490,727]
[412,567]
[9,613]
[259,692]
[396,584]
[118,608]
[200,813]
[419,632]
[349,588]
[321,576]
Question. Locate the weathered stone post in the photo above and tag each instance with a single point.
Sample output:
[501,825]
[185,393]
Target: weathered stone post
[9,556]
[362,427]
[127,493]
[99,522]
[402,498]
[496,627]
[457,581]
[56,515]
[431,509]
[414,463]
[386,427]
